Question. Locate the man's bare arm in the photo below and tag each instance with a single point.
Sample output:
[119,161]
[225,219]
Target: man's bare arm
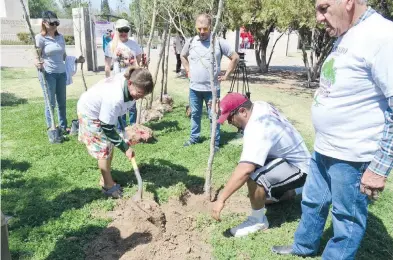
[186,64]
[232,64]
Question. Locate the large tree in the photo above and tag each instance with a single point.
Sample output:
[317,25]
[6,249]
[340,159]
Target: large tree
[105,9]
[67,5]
[315,43]
[36,7]
[260,18]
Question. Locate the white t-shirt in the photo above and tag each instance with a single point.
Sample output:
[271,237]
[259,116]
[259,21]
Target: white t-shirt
[128,50]
[356,80]
[268,134]
[105,100]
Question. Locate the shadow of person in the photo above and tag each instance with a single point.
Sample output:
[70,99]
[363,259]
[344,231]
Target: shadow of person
[95,242]
[111,246]
[284,212]
[37,209]
[158,173]
[12,165]
[226,137]
[168,126]
[10,99]
[377,243]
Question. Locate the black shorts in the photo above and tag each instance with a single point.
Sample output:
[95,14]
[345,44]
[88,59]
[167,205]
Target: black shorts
[278,176]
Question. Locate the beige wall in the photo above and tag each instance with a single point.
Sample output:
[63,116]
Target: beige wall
[12,9]
[11,27]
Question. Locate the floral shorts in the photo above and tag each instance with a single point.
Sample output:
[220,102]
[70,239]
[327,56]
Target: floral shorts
[92,135]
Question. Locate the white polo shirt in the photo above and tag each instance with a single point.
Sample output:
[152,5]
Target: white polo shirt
[105,100]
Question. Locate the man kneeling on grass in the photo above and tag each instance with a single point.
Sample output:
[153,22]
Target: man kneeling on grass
[274,161]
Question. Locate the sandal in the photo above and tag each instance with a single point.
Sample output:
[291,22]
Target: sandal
[114,192]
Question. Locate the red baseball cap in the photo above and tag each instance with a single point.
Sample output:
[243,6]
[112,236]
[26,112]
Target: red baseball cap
[229,103]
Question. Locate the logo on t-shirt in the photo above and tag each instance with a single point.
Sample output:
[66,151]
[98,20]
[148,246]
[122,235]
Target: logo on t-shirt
[327,80]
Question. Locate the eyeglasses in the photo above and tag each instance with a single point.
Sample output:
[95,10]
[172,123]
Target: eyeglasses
[123,30]
[234,112]
[202,29]
[54,23]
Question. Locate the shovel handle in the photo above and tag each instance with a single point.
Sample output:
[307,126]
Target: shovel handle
[138,195]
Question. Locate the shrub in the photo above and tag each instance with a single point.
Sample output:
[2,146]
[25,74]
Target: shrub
[24,37]
[69,40]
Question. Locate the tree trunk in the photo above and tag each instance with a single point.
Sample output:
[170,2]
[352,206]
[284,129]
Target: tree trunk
[162,73]
[261,54]
[164,38]
[305,56]
[166,63]
[152,27]
[322,46]
[208,178]
[51,112]
[272,51]
[80,44]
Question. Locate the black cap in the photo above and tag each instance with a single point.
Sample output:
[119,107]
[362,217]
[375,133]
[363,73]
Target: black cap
[49,16]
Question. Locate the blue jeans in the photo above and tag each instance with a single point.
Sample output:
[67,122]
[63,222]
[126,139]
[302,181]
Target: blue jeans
[56,83]
[196,105]
[133,115]
[336,182]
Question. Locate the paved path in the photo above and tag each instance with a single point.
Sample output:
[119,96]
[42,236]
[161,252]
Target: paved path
[24,56]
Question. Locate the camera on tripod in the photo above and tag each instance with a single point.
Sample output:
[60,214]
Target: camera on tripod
[241,68]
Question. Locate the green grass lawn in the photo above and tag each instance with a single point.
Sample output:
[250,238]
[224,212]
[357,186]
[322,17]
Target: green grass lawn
[53,195]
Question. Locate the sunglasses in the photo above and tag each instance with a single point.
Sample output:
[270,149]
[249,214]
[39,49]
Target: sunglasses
[234,112]
[54,23]
[202,29]
[123,30]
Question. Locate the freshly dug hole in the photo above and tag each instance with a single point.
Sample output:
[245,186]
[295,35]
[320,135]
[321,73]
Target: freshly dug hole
[144,230]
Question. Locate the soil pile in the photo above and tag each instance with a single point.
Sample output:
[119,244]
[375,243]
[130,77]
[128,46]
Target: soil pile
[144,230]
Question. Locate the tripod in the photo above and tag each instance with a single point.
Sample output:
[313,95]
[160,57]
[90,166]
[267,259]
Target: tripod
[241,68]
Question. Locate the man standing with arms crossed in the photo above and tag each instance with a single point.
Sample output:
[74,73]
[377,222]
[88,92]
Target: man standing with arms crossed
[353,120]
[196,59]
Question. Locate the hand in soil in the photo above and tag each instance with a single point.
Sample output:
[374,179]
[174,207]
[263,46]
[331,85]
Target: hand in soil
[217,208]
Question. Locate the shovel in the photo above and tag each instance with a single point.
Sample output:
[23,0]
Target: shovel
[138,195]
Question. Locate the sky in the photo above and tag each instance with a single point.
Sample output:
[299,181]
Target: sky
[96,4]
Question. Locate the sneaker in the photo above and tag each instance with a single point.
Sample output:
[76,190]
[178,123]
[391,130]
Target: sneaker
[179,74]
[188,143]
[251,225]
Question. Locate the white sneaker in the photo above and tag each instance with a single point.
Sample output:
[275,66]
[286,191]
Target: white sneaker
[251,225]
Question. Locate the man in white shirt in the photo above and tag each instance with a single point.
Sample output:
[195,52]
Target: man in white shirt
[274,161]
[353,120]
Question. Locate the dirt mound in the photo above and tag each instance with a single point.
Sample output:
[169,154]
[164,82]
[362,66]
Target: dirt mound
[166,99]
[144,230]
[151,115]
[139,134]
[161,107]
